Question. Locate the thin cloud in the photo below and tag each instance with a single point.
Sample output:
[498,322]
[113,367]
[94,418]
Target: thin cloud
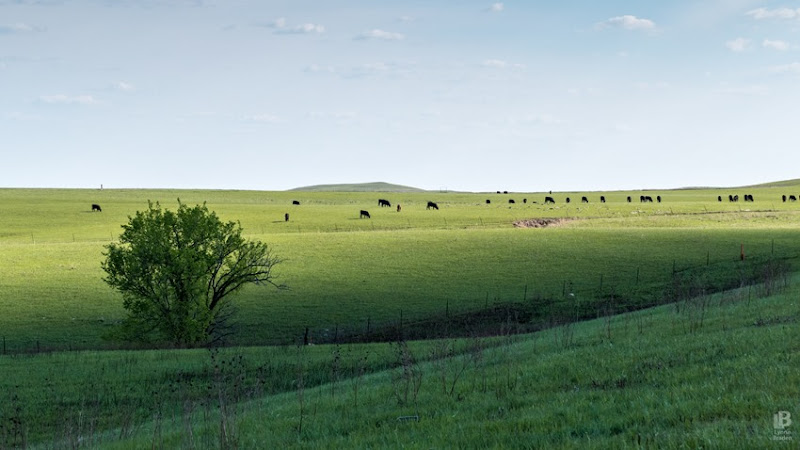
[262,118]
[123,86]
[778,13]
[756,89]
[628,22]
[793,68]
[380,35]
[19,28]
[61,99]
[738,45]
[500,64]
[281,26]
[496,7]
[775,45]
[306,28]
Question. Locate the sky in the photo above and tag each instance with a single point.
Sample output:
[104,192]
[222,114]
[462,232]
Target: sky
[523,96]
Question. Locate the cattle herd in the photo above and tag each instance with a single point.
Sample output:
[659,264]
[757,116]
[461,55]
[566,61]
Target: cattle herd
[363,214]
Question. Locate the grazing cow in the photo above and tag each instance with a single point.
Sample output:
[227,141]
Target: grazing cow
[286,217]
[550,200]
[295,202]
[505,192]
[736,198]
[641,199]
[567,199]
[398,207]
[524,200]
[719,198]
[784,199]
[511,200]
[498,192]
[648,199]
[96,207]
[602,199]
[432,205]
[730,197]
[364,214]
[584,200]
[748,197]
[382,202]
[658,197]
[488,201]
[792,198]
[629,199]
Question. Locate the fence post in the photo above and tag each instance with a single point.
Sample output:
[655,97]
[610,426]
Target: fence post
[401,324]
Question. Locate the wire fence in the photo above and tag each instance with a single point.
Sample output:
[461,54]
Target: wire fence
[611,293]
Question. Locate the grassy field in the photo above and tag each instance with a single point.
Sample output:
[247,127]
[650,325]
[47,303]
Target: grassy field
[707,372]
[709,369]
[350,274]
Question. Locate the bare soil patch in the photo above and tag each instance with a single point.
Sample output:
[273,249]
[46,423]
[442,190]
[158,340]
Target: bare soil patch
[541,223]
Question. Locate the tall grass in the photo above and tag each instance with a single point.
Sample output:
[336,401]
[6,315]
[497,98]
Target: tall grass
[652,378]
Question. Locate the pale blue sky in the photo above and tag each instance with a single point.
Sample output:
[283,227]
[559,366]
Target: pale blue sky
[469,95]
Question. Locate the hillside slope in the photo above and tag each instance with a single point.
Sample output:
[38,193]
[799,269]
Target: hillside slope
[358,187]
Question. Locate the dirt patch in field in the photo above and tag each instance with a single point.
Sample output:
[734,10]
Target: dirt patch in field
[540,223]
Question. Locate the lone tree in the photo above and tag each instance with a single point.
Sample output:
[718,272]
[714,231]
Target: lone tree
[176,271]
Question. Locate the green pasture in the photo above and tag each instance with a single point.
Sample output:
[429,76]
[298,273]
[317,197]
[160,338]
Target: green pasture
[346,274]
[707,372]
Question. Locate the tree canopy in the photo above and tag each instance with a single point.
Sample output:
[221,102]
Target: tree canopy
[176,272]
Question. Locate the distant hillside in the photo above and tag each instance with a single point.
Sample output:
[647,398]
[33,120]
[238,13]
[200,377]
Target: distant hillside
[785,183]
[362,187]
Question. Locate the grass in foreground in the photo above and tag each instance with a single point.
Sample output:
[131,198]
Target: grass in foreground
[705,372]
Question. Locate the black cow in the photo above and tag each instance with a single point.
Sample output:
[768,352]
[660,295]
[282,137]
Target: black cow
[784,199]
[96,207]
[505,192]
[432,205]
[567,199]
[719,198]
[658,197]
[295,202]
[364,214]
[511,200]
[550,200]
[584,200]
[286,217]
[648,199]
[382,202]
[642,199]
[629,199]
[792,198]
[602,199]
[736,198]
[748,197]
[488,201]
[524,200]
[398,207]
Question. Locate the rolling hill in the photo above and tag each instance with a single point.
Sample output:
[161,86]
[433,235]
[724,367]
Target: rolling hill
[358,187]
